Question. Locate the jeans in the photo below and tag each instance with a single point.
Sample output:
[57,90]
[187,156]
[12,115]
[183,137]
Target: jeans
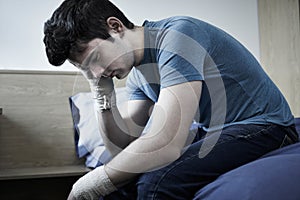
[235,146]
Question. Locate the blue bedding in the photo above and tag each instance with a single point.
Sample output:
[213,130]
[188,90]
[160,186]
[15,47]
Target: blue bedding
[275,176]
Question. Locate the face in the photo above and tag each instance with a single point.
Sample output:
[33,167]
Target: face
[110,58]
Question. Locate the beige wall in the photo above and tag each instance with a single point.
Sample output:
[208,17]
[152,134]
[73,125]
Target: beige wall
[36,128]
[280,46]
[36,124]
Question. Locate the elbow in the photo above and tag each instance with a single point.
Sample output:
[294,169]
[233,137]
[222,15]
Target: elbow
[170,153]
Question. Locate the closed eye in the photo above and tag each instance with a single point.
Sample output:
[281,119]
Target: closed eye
[92,59]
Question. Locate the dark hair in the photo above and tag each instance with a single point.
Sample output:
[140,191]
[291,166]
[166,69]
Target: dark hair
[76,22]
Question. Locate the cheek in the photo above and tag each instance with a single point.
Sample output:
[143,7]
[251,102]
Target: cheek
[127,59]
[116,57]
[123,54]
[123,62]
[111,60]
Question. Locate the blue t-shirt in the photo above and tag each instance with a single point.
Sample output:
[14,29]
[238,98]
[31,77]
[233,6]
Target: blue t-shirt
[235,90]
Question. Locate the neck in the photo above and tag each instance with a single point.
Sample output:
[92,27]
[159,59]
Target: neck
[137,39]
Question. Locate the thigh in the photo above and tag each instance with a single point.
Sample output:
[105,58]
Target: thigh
[235,146]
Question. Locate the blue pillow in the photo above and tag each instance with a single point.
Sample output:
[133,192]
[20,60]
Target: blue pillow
[88,141]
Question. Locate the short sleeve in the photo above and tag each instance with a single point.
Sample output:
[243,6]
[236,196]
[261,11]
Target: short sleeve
[180,53]
[133,90]
[140,88]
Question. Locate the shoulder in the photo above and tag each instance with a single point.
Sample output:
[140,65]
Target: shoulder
[176,22]
[180,28]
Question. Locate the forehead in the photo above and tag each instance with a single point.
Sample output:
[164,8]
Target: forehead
[89,47]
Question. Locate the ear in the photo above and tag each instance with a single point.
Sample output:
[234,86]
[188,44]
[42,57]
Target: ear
[114,25]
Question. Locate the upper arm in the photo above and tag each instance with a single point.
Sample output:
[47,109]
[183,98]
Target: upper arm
[173,114]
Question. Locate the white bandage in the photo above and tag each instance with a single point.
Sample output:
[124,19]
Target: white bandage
[93,185]
[103,101]
[103,93]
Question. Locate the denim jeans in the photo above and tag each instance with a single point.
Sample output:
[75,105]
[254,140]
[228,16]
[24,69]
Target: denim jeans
[235,146]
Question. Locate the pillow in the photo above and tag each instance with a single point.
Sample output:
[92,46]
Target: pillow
[88,141]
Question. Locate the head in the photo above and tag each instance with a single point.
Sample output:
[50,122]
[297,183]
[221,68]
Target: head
[74,24]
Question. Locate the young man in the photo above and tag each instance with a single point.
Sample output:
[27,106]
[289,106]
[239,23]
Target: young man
[199,103]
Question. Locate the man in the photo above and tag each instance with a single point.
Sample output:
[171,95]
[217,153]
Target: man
[199,103]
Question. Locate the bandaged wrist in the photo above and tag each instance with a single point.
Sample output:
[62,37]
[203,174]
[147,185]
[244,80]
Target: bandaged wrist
[93,185]
[103,101]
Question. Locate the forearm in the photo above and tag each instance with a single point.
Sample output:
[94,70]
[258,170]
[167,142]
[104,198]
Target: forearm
[114,131]
[144,154]
[160,146]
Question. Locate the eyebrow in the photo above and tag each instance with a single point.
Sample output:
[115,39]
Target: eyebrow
[85,61]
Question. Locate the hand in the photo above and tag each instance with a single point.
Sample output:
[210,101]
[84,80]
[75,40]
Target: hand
[92,185]
[102,89]
[102,86]
[103,93]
